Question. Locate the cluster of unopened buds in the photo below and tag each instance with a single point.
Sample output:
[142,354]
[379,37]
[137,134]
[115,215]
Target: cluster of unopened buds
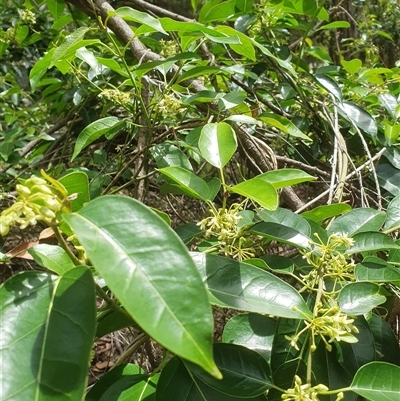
[116,96]
[233,240]
[38,199]
[304,392]
[331,258]
[331,324]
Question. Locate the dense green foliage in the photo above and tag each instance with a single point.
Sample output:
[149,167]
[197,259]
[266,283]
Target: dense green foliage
[111,108]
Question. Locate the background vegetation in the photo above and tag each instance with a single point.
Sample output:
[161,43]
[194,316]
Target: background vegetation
[261,136]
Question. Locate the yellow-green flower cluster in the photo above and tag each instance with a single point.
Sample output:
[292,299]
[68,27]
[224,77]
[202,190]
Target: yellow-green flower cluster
[116,96]
[170,104]
[28,17]
[168,48]
[304,392]
[331,324]
[38,200]
[331,258]
[233,240]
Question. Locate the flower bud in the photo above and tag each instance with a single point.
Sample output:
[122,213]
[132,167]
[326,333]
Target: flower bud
[47,213]
[52,203]
[4,229]
[35,181]
[23,190]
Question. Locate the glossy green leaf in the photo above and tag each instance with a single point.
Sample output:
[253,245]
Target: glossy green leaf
[259,191]
[198,72]
[378,381]
[242,118]
[393,213]
[245,373]
[40,68]
[166,154]
[330,85]
[77,185]
[326,369]
[245,48]
[360,297]
[177,384]
[94,131]
[216,11]
[116,380]
[187,182]
[358,221]
[285,177]
[286,218]
[56,8]
[360,117]
[391,132]
[217,143]
[253,331]
[352,355]
[281,233]
[112,320]
[377,270]
[389,178]
[386,344]
[371,242]
[352,66]
[71,44]
[389,102]
[51,322]
[245,287]
[150,271]
[321,213]
[52,257]
[187,232]
[335,25]
[283,124]
[231,99]
[129,14]
[279,264]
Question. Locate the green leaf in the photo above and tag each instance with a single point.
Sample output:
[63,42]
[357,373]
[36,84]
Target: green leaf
[196,72]
[129,14]
[330,85]
[377,270]
[245,372]
[77,185]
[286,218]
[71,43]
[361,118]
[242,118]
[359,298]
[378,381]
[259,191]
[246,48]
[112,320]
[117,380]
[166,154]
[187,182]
[283,124]
[393,213]
[150,271]
[321,213]
[51,321]
[389,102]
[389,178]
[352,66]
[285,177]
[335,25]
[177,384]
[217,143]
[358,221]
[52,257]
[187,232]
[94,131]
[391,132]
[253,331]
[56,8]
[217,11]
[281,233]
[231,100]
[386,343]
[245,287]
[371,242]
[40,68]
